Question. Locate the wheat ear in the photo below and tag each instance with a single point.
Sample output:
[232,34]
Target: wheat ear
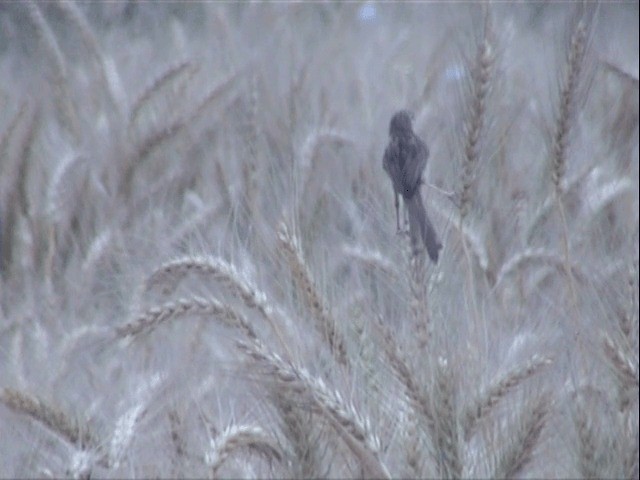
[446,425]
[481,76]
[241,287]
[500,389]
[62,96]
[350,426]
[50,417]
[325,323]
[625,368]
[153,317]
[520,447]
[237,437]
[156,86]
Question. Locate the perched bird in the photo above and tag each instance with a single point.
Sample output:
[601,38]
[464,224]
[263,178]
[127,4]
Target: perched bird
[404,161]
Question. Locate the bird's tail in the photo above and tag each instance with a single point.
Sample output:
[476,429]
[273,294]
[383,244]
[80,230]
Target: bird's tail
[421,229]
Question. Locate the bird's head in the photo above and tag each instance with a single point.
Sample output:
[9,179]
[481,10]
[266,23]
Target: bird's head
[400,126]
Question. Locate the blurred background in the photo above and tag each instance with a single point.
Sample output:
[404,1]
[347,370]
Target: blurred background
[135,133]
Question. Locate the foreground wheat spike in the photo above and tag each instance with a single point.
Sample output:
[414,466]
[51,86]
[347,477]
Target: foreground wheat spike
[302,434]
[446,424]
[626,370]
[236,437]
[500,389]
[50,417]
[568,100]
[325,322]
[588,444]
[157,85]
[354,429]
[418,398]
[153,317]
[171,272]
[482,73]
[520,446]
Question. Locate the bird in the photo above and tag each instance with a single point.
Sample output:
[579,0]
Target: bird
[404,161]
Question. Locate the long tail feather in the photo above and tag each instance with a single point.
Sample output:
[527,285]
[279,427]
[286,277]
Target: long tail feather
[421,229]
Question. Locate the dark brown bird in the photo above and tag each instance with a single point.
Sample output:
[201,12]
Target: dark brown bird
[404,161]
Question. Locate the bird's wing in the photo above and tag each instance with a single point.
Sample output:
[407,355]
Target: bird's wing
[390,164]
[415,166]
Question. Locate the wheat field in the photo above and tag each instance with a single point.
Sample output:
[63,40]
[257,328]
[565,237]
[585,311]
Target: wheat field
[200,275]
